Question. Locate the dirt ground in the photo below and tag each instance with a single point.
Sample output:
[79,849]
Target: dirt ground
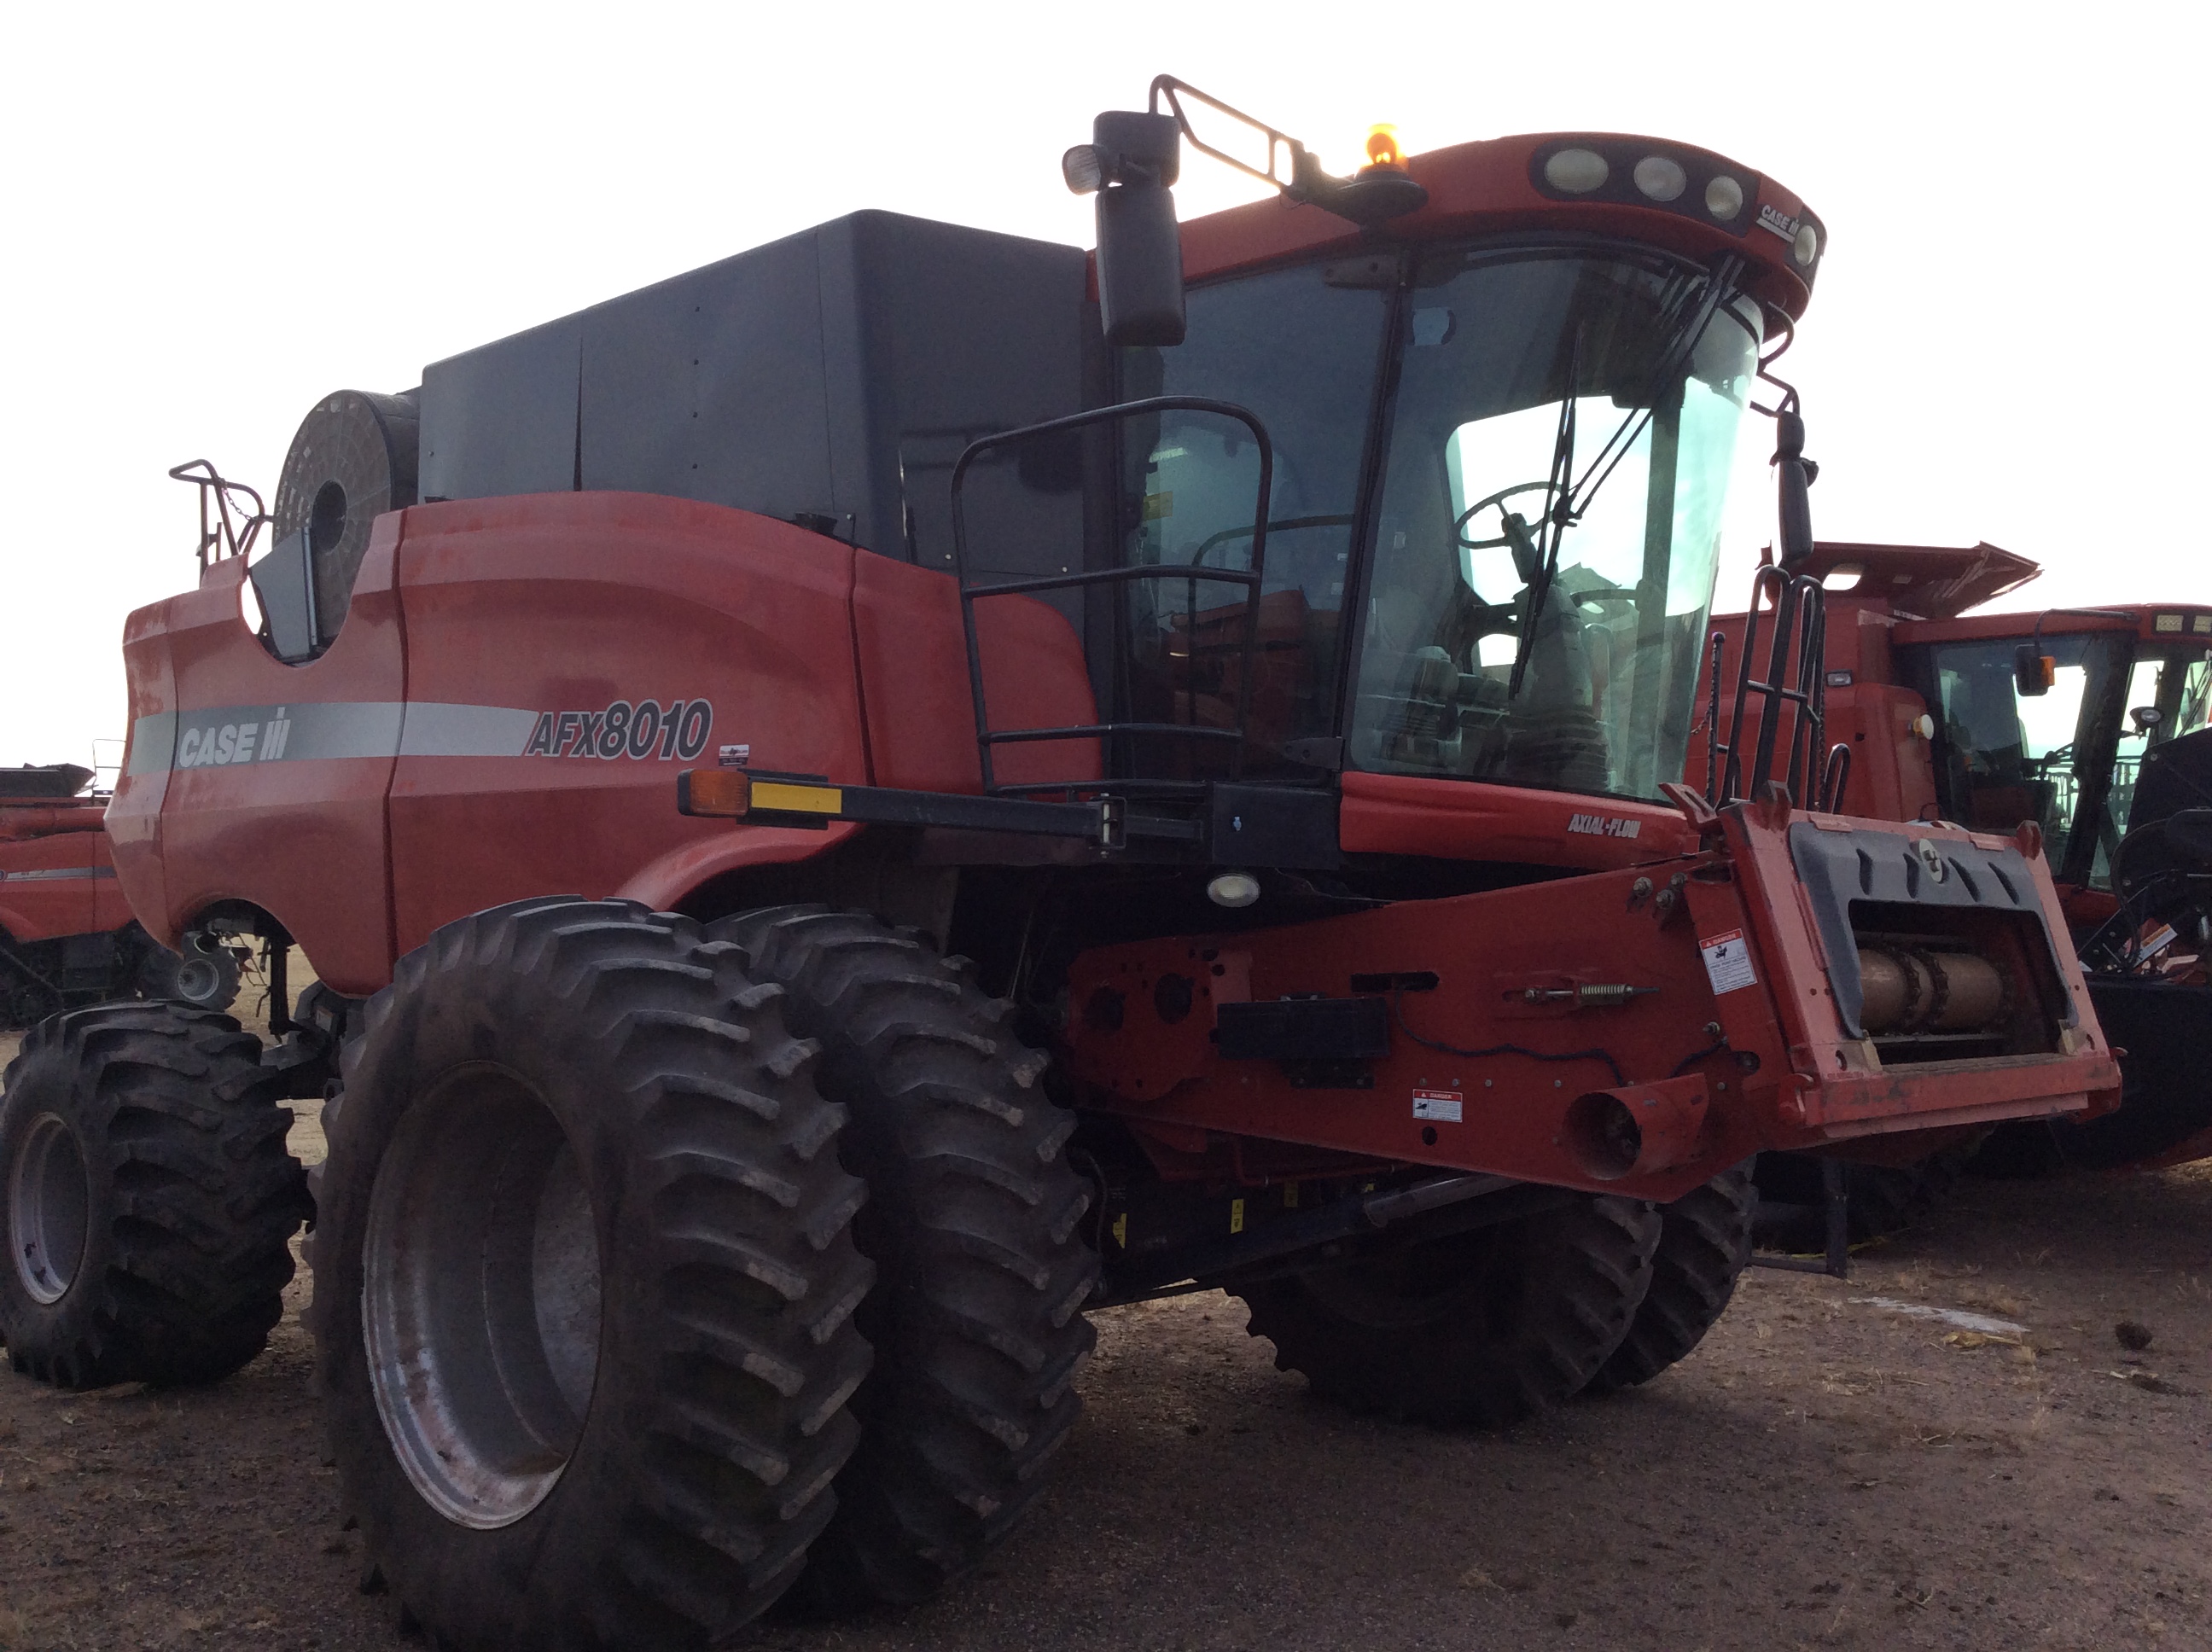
[1825,1470]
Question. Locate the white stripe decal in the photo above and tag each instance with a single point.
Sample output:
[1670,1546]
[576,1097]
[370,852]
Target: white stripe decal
[225,736]
[435,731]
[40,874]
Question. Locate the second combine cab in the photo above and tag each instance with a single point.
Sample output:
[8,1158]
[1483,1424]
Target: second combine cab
[2089,728]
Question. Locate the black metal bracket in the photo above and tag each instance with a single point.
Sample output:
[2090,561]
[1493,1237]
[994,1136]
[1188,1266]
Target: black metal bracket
[1376,196]
[1835,1206]
[1346,1218]
[1241,824]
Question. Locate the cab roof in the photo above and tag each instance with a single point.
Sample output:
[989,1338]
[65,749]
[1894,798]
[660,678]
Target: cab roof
[1504,184]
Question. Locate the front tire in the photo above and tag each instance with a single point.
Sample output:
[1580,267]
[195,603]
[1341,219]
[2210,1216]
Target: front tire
[147,1196]
[584,1284]
[1704,1244]
[973,1220]
[1485,1328]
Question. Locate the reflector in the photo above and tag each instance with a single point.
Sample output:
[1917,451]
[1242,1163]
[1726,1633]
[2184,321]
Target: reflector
[721,793]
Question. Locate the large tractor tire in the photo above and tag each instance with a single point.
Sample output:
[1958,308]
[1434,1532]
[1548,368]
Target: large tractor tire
[1483,1327]
[149,1202]
[584,1284]
[1704,1244]
[974,1221]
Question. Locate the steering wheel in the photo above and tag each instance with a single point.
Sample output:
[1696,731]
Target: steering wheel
[1498,498]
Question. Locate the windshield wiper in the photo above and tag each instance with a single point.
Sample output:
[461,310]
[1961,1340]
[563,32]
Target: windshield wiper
[1537,560]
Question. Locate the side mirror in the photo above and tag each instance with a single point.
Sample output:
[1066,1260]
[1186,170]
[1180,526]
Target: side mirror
[2147,718]
[2033,672]
[1131,164]
[1793,477]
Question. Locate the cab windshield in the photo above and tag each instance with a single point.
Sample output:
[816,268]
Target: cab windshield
[1601,392]
[2068,758]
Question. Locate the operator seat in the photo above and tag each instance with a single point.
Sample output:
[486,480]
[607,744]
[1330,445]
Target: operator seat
[1553,735]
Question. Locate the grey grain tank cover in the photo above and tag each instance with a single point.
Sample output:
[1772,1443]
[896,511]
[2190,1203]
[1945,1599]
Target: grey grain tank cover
[1838,868]
[835,375]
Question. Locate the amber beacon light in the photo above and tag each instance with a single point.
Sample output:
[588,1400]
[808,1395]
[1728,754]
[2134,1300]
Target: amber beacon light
[1383,148]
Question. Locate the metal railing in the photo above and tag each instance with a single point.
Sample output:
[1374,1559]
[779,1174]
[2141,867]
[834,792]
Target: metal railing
[1249,578]
[228,529]
[1795,678]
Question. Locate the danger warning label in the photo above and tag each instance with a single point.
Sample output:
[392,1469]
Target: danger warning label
[1728,961]
[1445,1104]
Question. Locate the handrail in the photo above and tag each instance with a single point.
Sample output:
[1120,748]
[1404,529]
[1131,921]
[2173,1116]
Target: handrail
[1251,578]
[1813,778]
[218,532]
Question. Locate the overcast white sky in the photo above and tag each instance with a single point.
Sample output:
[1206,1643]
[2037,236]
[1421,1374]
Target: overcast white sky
[216,214]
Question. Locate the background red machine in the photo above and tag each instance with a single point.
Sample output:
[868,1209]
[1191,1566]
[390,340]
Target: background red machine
[66,933]
[2087,724]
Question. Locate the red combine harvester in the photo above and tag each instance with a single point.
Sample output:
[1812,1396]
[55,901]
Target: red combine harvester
[66,934]
[1076,788]
[2092,725]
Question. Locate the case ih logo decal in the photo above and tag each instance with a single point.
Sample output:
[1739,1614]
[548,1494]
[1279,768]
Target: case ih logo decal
[245,735]
[1604,826]
[1780,222]
[623,730]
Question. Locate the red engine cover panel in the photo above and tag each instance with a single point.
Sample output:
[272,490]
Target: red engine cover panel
[52,883]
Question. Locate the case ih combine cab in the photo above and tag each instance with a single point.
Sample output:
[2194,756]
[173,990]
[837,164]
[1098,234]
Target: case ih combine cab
[66,934]
[858,802]
[2091,725]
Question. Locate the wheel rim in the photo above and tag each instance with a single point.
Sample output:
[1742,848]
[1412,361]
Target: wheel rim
[50,1208]
[198,980]
[480,1300]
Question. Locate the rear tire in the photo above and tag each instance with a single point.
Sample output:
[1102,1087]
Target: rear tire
[1484,1328]
[584,1284]
[206,975]
[1704,1244]
[147,1196]
[973,1220]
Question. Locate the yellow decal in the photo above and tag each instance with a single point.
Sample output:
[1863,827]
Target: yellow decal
[1236,1216]
[1159,505]
[783,796]
[1289,1195]
[1122,1229]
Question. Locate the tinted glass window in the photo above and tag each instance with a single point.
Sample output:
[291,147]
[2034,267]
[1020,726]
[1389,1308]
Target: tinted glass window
[1303,355]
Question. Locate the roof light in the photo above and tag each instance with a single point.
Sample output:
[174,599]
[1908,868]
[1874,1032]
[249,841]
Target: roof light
[2201,624]
[1577,171]
[1806,246]
[2169,622]
[1383,148]
[1724,198]
[1660,179]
